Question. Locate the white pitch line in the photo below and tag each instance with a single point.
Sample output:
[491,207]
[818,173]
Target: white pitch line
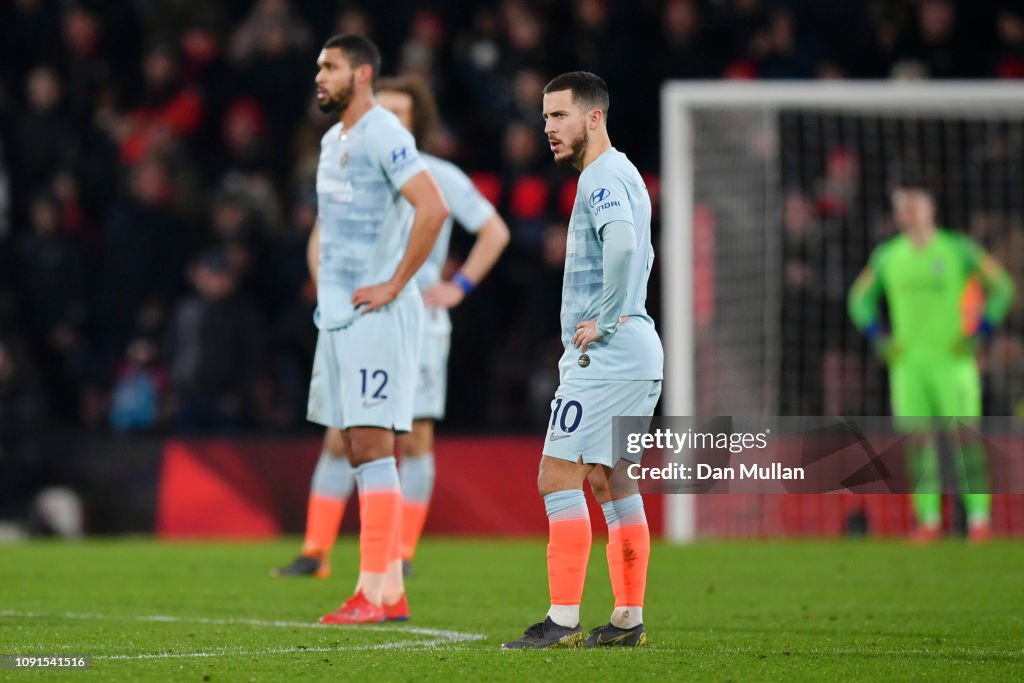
[453,636]
[405,645]
[438,638]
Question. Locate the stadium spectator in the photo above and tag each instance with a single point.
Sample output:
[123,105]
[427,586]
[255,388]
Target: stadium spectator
[419,56]
[171,111]
[803,308]
[50,274]
[935,42]
[142,259]
[270,21]
[1009,59]
[776,50]
[271,54]
[216,351]
[23,416]
[140,387]
[28,30]
[291,300]
[86,66]
[355,20]
[246,143]
[684,50]
[43,132]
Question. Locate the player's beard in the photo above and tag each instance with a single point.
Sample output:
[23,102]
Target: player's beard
[341,102]
[577,148]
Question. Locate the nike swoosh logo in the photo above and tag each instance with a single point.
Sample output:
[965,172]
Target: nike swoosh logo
[371,404]
[556,437]
[611,641]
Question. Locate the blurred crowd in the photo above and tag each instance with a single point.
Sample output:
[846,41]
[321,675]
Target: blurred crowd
[158,161]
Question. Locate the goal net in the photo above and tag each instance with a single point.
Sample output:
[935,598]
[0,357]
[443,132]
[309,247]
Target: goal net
[774,197]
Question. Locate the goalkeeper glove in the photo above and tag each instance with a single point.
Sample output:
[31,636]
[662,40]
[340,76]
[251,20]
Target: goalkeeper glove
[885,348]
[968,346]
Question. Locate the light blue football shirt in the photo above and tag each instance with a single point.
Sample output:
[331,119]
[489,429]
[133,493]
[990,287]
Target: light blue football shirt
[364,220]
[610,190]
[467,206]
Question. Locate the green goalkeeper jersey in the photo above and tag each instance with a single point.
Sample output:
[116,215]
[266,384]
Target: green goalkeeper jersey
[924,288]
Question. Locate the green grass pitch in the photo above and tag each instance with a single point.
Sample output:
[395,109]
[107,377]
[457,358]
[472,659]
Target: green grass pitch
[715,611]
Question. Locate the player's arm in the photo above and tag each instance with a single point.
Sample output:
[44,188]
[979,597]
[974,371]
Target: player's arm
[615,231]
[999,292]
[862,304]
[618,244]
[431,211]
[491,239]
[313,250]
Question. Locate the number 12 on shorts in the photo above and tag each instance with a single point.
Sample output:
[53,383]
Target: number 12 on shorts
[567,417]
[372,378]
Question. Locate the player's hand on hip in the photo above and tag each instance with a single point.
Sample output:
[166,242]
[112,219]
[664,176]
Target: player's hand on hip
[965,346]
[970,345]
[374,296]
[444,295]
[886,349]
[586,334]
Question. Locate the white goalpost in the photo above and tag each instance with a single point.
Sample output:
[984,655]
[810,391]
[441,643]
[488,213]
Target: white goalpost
[773,196]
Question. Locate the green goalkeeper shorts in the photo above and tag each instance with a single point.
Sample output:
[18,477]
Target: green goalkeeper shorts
[950,388]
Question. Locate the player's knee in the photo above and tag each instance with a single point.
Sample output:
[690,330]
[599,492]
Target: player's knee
[419,441]
[406,445]
[547,485]
[370,444]
[555,475]
[600,485]
[334,443]
[620,484]
[361,457]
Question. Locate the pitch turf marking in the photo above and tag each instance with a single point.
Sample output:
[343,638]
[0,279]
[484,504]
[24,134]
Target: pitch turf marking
[404,645]
[437,638]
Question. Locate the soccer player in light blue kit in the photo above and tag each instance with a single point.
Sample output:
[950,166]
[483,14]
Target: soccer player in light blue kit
[410,100]
[612,365]
[380,212]
[332,484]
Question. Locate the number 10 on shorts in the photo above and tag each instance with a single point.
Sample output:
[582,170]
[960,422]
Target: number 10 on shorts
[567,417]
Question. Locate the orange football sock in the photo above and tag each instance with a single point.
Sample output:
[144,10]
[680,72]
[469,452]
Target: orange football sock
[323,519]
[569,539]
[380,512]
[394,583]
[615,564]
[629,549]
[635,554]
[414,515]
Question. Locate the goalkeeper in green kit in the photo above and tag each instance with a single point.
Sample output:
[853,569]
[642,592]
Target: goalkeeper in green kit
[930,350]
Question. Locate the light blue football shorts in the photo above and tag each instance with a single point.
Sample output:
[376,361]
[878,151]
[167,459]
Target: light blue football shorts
[364,375]
[582,412]
[432,382]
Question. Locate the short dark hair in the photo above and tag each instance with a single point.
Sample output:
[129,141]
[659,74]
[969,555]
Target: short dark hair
[360,50]
[424,108]
[912,178]
[588,89]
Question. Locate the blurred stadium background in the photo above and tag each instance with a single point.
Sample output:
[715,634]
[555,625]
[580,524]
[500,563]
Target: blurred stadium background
[156,193]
